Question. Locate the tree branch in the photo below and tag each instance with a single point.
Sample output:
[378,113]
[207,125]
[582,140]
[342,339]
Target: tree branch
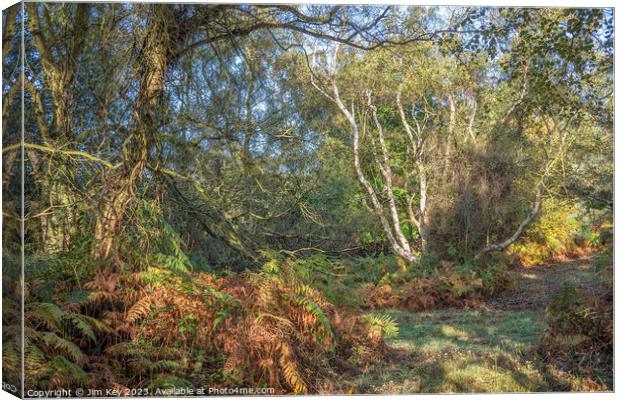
[520,229]
[75,153]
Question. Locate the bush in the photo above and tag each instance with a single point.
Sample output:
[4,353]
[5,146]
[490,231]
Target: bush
[446,286]
[557,235]
[579,339]
[342,280]
[164,327]
[557,226]
[388,282]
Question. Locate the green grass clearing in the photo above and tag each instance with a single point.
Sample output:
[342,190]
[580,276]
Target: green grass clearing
[459,350]
[511,332]
[446,351]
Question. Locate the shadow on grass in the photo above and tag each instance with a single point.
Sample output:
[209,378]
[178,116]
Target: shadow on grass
[512,332]
[448,351]
[456,350]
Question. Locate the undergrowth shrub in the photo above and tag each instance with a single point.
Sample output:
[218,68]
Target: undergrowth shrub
[578,341]
[604,264]
[11,317]
[149,318]
[388,282]
[446,286]
[165,327]
[559,233]
[342,280]
[58,333]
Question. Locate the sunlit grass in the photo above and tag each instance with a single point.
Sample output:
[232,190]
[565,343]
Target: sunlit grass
[457,370]
[468,330]
[461,351]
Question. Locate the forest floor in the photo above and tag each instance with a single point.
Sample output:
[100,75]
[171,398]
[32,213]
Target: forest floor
[487,349]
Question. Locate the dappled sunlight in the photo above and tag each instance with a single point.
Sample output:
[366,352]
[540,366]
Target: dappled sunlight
[492,375]
[450,331]
[471,330]
[456,370]
[307,198]
[452,351]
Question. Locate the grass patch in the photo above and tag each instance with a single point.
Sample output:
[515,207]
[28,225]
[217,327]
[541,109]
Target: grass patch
[448,351]
[467,330]
[475,351]
[456,371]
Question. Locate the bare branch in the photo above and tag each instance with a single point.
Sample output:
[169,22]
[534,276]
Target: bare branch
[522,93]
[75,153]
[520,229]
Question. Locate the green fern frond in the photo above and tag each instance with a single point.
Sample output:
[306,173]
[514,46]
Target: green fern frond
[169,382]
[381,325]
[68,370]
[272,268]
[224,298]
[30,334]
[302,289]
[311,307]
[67,347]
[47,313]
[119,349]
[84,327]
[11,355]
[139,364]
[35,362]
[97,325]
[166,366]
[171,262]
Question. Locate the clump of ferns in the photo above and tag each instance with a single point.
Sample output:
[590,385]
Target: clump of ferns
[54,339]
[11,317]
[166,309]
[160,303]
[158,280]
[280,287]
[285,336]
[139,364]
[60,337]
[179,308]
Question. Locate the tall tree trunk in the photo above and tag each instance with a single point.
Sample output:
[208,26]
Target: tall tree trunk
[449,139]
[417,149]
[423,220]
[9,29]
[392,231]
[152,64]
[57,181]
